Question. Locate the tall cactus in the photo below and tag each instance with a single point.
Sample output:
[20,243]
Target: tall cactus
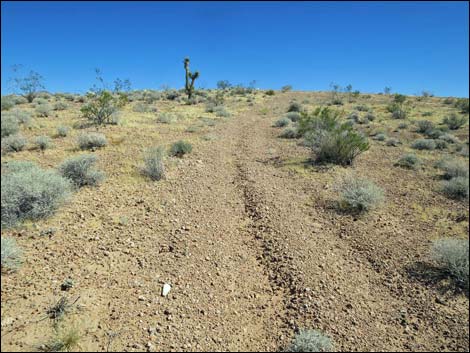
[190,78]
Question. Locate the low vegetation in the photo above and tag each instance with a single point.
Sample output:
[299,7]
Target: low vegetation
[311,341]
[81,170]
[452,255]
[358,195]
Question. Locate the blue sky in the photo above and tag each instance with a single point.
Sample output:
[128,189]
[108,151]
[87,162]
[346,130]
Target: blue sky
[410,46]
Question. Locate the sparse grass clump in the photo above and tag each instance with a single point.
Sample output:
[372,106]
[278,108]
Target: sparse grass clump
[180,148]
[454,122]
[43,142]
[424,144]
[220,111]
[408,161]
[63,131]
[282,122]
[13,143]
[294,107]
[43,110]
[453,255]
[64,340]
[29,192]
[11,255]
[358,195]
[140,107]
[165,118]
[456,188]
[311,341]
[81,170]
[153,163]
[453,168]
[91,140]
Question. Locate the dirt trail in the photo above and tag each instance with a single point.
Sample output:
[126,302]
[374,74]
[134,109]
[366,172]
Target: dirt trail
[250,256]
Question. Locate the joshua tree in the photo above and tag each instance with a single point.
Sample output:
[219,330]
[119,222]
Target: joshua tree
[190,78]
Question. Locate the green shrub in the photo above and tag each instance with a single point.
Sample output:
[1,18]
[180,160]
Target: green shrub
[43,142]
[453,168]
[9,125]
[319,119]
[427,114]
[101,107]
[221,112]
[311,341]
[359,195]
[369,117]
[180,148]
[456,188]
[380,137]
[409,161]
[21,116]
[402,126]
[43,110]
[63,131]
[354,116]
[392,142]
[153,163]
[81,171]
[294,107]
[91,140]
[424,144]
[362,108]
[30,193]
[453,255]
[141,108]
[424,126]
[449,138]
[462,104]
[60,105]
[440,144]
[293,116]
[282,122]
[286,88]
[270,92]
[11,254]
[289,133]
[454,122]
[14,143]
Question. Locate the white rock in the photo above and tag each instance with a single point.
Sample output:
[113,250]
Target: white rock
[166,289]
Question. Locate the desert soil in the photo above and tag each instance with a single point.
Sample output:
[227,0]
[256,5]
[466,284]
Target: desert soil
[246,234]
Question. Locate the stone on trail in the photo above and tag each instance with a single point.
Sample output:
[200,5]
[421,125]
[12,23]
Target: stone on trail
[166,289]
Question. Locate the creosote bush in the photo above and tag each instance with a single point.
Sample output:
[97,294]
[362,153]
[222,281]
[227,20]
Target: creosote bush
[180,148]
[101,106]
[358,195]
[63,131]
[454,122]
[453,256]
[424,126]
[11,255]
[9,125]
[30,193]
[81,170]
[91,140]
[13,143]
[294,107]
[43,110]
[43,142]
[311,341]
[153,163]
[408,161]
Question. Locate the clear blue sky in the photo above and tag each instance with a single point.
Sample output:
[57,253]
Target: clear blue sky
[408,46]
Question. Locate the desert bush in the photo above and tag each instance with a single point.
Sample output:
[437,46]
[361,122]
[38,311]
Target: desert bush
[362,108]
[448,100]
[456,188]
[11,254]
[380,137]
[101,107]
[282,122]
[286,88]
[60,105]
[20,100]
[180,148]
[7,103]
[454,122]
[449,138]
[21,116]
[40,101]
[358,195]
[13,143]
[369,116]
[270,92]
[63,131]
[65,339]
[311,341]
[453,255]
[9,125]
[81,170]
[354,116]
[153,163]
[220,111]
[424,126]
[43,142]
[409,161]
[165,118]
[43,110]
[289,133]
[30,193]
[427,114]
[424,144]
[462,150]
[434,133]
[294,107]
[453,168]
[293,116]
[140,107]
[91,140]
[399,113]
[392,142]
[440,144]
[402,126]
[462,104]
